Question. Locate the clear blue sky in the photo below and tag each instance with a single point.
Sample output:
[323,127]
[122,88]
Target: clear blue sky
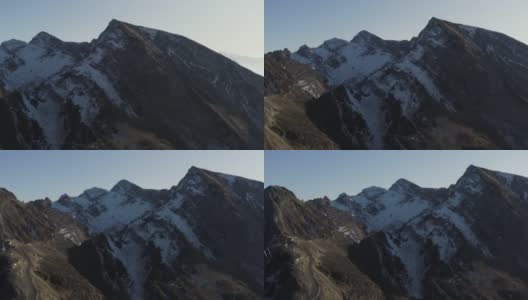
[31,175]
[311,174]
[233,26]
[292,23]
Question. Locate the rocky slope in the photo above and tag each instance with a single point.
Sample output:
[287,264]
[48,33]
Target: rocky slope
[440,90]
[288,85]
[34,239]
[467,241]
[306,251]
[132,87]
[200,239]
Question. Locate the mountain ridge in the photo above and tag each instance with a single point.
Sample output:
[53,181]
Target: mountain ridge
[421,243]
[407,94]
[199,239]
[126,89]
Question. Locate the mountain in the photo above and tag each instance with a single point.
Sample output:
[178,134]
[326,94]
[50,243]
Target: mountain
[34,239]
[200,239]
[288,86]
[131,88]
[467,241]
[451,87]
[306,250]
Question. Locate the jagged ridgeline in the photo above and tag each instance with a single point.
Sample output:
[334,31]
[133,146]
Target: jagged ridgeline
[451,87]
[467,241]
[131,88]
[200,239]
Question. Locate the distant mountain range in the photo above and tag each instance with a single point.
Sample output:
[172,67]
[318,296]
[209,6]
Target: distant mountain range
[131,88]
[467,241]
[255,64]
[200,239]
[452,87]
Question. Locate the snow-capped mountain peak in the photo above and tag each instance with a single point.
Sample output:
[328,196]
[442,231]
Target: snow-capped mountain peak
[403,185]
[365,37]
[44,39]
[13,45]
[334,43]
[373,192]
[124,186]
[475,177]
[341,61]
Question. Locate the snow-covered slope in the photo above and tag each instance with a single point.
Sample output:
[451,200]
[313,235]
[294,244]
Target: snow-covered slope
[382,209]
[341,61]
[105,211]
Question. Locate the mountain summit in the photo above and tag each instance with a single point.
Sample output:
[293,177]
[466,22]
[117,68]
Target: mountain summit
[131,88]
[452,87]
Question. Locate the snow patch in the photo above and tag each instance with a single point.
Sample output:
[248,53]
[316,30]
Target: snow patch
[349,232]
[410,253]
[87,70]
[464,228]
[130,255]
[161,237]
[370,109]
[186,229]
[309,88]
[48,114]
[70,235]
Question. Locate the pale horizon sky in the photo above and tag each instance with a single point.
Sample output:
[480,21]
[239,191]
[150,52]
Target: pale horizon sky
[228,26]
[313,174]
[33,175]
[292,23]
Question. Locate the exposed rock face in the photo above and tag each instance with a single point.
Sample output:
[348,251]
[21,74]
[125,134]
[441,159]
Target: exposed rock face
[130,88]
[288,85]
[452,87]
[200,239]
[468,241]
[33,260]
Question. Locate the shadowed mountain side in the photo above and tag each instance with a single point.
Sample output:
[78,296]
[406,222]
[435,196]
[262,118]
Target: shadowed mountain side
[131,88]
